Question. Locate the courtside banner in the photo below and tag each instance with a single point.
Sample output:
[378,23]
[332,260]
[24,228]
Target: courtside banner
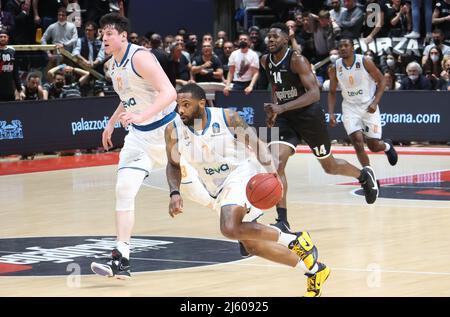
[62,124]
[405,115]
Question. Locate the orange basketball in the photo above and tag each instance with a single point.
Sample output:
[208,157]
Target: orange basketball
[264,190]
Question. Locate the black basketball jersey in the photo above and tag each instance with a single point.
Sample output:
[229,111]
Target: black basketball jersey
[286,84]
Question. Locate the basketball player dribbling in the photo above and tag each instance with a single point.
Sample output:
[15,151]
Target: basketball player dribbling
[362,85]
[216,143]
[148,101]
[297,114]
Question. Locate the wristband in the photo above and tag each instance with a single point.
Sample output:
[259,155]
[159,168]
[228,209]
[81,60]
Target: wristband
[174,192]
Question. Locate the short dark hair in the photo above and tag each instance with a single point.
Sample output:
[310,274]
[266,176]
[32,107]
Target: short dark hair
[59,72]
[62,9]
[33,75]
[120,23]
[346,38]
[280,26]
[4,31]
[91,23]
[438,31]
[196,91]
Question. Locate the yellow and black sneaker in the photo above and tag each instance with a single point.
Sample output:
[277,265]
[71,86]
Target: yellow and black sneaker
[305,249]
[316,281]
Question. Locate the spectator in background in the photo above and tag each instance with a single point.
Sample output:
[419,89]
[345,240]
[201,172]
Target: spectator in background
[243,67]
[222,35]
[415,79]
[351,20]
[6,20]
[389,63]
[33,89]
[228,48]
[104,87]
[10,86]
[398,19]
[441,16]
[65,83]
[256,41]
[438,40]
[445,74]
[44,11]
[307,35]
[62,33]
[296,41]
[162,57]
[180,64]
[193,38]
[417,7]
[336,14]
[207,67]
[391,80]
[433,66]
[179,39]
[144,42]
[324,35]
[23,32]
[53,90]
[168,40]
[134,37]
[89,49]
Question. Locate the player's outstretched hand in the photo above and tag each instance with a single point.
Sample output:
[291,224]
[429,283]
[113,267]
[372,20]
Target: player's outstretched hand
[106,137]
[372,108]
[333,121]
[176,205]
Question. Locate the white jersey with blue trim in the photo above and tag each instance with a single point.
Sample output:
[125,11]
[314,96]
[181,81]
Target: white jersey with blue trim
[135,93]
[214,152]
[357,86]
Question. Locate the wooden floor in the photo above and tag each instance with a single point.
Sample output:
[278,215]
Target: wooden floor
[393,248]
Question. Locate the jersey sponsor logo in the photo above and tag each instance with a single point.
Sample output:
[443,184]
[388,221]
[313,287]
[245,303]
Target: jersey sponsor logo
[50,256]
[129,103]
[287,94]
[217,170]
[355,93]
[11,131]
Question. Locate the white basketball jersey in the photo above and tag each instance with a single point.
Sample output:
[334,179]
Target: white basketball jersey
[213,152]
[135,93]
[357,86]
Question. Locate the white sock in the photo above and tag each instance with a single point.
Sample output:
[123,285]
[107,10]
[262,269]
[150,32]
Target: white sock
[284,238]
[124,248]
[303,267]
[388,147]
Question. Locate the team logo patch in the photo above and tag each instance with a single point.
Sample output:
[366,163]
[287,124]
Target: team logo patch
[216,128]
[49,256]
[358,65]
[428,186]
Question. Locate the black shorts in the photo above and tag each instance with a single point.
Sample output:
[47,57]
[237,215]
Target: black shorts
[307,124]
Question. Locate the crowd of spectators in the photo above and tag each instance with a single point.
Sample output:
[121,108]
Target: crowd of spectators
[231,63]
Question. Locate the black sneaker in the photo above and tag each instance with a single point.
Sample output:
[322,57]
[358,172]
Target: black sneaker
[118,267]
[369,184]
[392,153]
[283,225]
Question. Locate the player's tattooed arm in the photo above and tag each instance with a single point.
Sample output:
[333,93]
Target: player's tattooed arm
[247,135]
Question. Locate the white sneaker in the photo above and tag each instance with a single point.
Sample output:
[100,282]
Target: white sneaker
[413,35]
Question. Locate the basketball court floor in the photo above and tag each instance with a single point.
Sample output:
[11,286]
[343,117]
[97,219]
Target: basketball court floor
[57,219]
